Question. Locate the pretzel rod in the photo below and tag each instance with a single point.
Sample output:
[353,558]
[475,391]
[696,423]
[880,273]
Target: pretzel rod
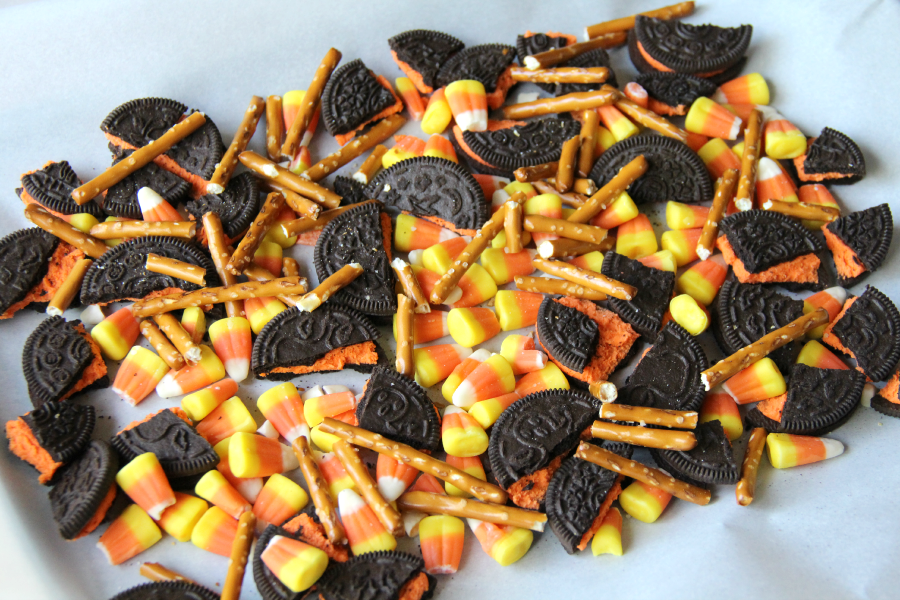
[295,183]
[332,284]
[292,228]
[568,157]
[663,439]
[255,272]
[561,75]
[682,9]
[536,172]
[170,355]
[440,504]
[68,233]
[240,550]
[371,165]
[418,460]
[759,349]
[567,103]
[318,491]
[243,254]
[405,340]
[512,225]
[803,210]
[604,391]
[176,268]
[69,288]
[651,120]
[384,512]
[609,192]
[112,230]
[274,127]
[157,572]
[299,204]
[570,198]
[678,419]
[221,254]
[549,285]
[724,194]
[566,229]
[743,199]
[290,267]
[179,337]
[379,133]
[139,158]
[225,168]
[565,248]
[410,285]
[310,103]
[589,279]
[590,126]
[635,470]
[551,58]
[148,307]
[746,486]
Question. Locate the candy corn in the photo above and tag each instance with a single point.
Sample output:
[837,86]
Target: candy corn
[441,538]
[249,487]
[283,407]
[232,341]
[438,113]
[328,405]
[471,465]
[468,103]
[516,309]
[251,455]
[688,313]
[722,408]
[413,233]
[492,378]
[267,430]
[117,333]
[786,450]
[814,354]
[503,543]
[486,412]
[144,481]
[303,159]
[279,500]
[225,420]
[191,378]
[405,147]
[276,233]
[155,208]
[519,352]
[214,488]
[364,531]
[605,140]
[477,286]
[759,381]
[93,316]
[296,564]
[682,243]
[703,280]
[215,532]
[260,311]
[461,371]
[440,147]
[411,98]
[435,363]
[636,238]
[644,502]
[748,89]
[427,327]
[179,519]
[290,106]
[545,205]
[592,261]
[831,300]
[138,375]
[504,266]
[82,221]
[621,210]
[268,256]
[335,474]
[816,193]
[491,184]
[685,216]
[617,123]
[608,539]
[202,402]
[783,139]
[472,326]
[663,260]
[393,477]
[130,534]
[718,157]
[710,119]
[695,141]
[461,434]
[772,183]
[427,279]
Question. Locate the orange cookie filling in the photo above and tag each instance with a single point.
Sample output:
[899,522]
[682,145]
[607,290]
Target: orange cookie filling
[803,269]
[314,534]
[99,514]
[413,75]
[773,407]
[611,496]
[61,262]
[846,261]
[529,491]
[891,391]
[661,67]
[23,444]
[335,360]
[94,371]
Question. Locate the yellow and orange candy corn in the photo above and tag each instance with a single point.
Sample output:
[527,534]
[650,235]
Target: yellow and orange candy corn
[621,210]
[468,103]
[130,534]
[440,147]
[636,238]
[179,519]
[759,381]
[139,374]
[296,564]
[192,378]
[438,113]
[504,266]
[291,102]
[695,141]
[364,531]
[516,309]
[491,184]
[441,538]
[644,502]
[713,120]
[335,474]
[592,261]
[232,341]
[663,260]
[816,193]
[215,532]
[499,198]
[283,407]
[144,481]
[605,140]
[202,402]
[786,450]
[405,147]
[475,287]
[472,326]
[155,208]
[117,333]
[268,256]
[486,412]
[427,327]
[316,408]
[412,100]
[773,183]
[93,315]
[260,311]
[685,216]
[461,371]
[503,543]
[214,488]
[682,243]
[413,233]
[637,94]
[249,487]
[301,161]
[468,464]
[721,407]
[814,354]
[689,313]
[608,539]
[280,499]
[462,435]
[276,232]
[251,455]
[520,353]
[831,300]
[225,420]
[618,124]
[746,89]
[783,139]
[393,477]
[703,280]
[439,257]
[435,363]
[193,320]
[494,377]
[718,157]
[545,205]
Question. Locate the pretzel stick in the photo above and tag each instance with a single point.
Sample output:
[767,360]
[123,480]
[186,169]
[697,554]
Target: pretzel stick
[678,419]
[418,460]
[663,439]
[643,473]
[69,288]
[179,337]
[590,126]
[724,194]
[568,157]
[405,341]
[570,198]
[157,572]
[379,133]
[512,225]
[384,512]
[148,307]
[240,550]
[332,284]
[605,392]
[243,254]
[589,279]
[561,75]
[651,120]
[176,268]
[681,9]
[565,248]
[111,230]
[609,192]
[551,58]
[371,165]
[139,158]
[567,103]
[295,183]
[300,205]
[221,254]
[749,161]
[536,172]
[290,267]
[759,349]
[582,186]
[746,486]
[292,228]
[225,168]
[170,355]
[310,103]
[410,285]
[548,285]
[440,504]
[318,491]
[566,229]
[68,233]
[257,273]
[274,127]
[803,210]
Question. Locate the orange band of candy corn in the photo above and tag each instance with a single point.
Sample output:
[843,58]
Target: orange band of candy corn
[318,491]
[565,172]
[746,486]
[743,198]
[678,419]
[221,254]
[299,204]
[377,134]
[292,228]
[547,285]
[512,226]
[225,168]
[157,572]
[176,268]
[274,127]
[442,504]
[112,230]
[536,172]
[803,210]
[590,125]
[724,194]
[50,223]
[310,102]
[609,192]
[589,279]
[240,550]
[567,103]
[371,165]
[566,229]
[651,120]
[170,355]
[358,472]
[551,58]
[335,282]
[663,439]
[561,75]
[69,288]
[172,329]
[243,254]
[239,291]
[405,340]
[295,183]
[682,9]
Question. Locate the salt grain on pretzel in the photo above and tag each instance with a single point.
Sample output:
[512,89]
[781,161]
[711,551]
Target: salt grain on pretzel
[63,296]
[225,168]
[512,226]
[566,229]
[176,268]
[274,127]
[240,550]
[651,120]
[549,285]
[384,512]
[221,254]
[310,103]
[172,329]
[803,210]
[405,339]
[746,486]
[377,134]
[318,491]
[746,187]
[334,283]
[157,572]
[663,439]
[567,103]
[295,226]
[295,183]
[170,355]
[724,194]
[589,279]
[682,9]
[441,504]
[148,307]
[568,157]
[551,58]
[566,248]
[113,230]
[243,254]
[609,192]
[536,172]
[647,415]
[561,75]
[371,165]
[410,285]
[590,125]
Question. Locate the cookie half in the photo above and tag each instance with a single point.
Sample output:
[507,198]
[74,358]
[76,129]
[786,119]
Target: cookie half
[399,409]
[52,187]
[674,93]
[420,53]
[868,329]
[488,63]
[833,157]
[645,311]
[25,257]
[382,574]
[121,199]
[859,242]
[712,461]
[84,491]
[237,206]
[355,96]
[703,50]
[167,590]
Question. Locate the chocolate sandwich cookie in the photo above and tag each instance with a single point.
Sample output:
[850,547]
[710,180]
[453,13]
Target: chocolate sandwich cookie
[817,401]
[674,171]
[330,338]
[399,409]
[832,157]
[237,206]
[531,437]
[354,96]
[382,574]
[645,311]
[674,93]
[25,257]
[121,274]
[868,329]
[267,584]
[350,190]
[668,375]
[420,53]
[84,491]
[52,188]
[167,590]
[60,359]
[887,400]
[535,43]
[361,235]
[859,242]
[435,189]
[487,63]
[121,199]
[597,57]
[712,461]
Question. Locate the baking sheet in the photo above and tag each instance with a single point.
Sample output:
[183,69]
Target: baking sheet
[825,531]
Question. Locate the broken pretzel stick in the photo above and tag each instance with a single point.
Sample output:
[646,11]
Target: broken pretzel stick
[561,75]
[379,133]
[566,229]
[662,439]
[646,415]
[604,391]
[63,296]
[635,470]
[221,254]
[549,285]
[243,254]
[570,198]
[157,572]
[240,550]
[112,230]
[567,103]
[370,166]
[724,194]
[299,204]
[441,504]
[512,226]
[551,58]
[582,186]
[384,512]
[173,330]
[743,198]
[651,120]
[147,307]
[257,273]
[274,127]
[170,355]
[590,127]
[225,168]
[568,157]
[290,267]
[589,279]
[759,349]
[682,9]
[295,183]
[68,233]
[405,339]
[565,248]
[536,172]
[803,210]
[410,285]
[310,103]
[418,460]
[332,284]
[318,491]
[292,228]
[176,268]
[746,486]
[609,192]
